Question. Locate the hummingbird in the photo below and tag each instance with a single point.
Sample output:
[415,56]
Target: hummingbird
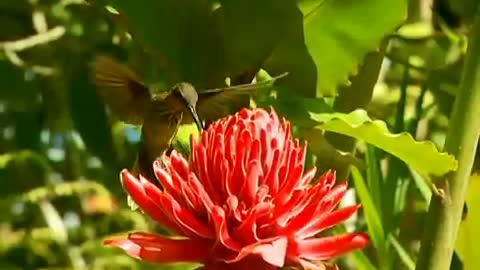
[160,113]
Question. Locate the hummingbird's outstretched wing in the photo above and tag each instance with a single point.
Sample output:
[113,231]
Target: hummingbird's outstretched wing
[214,103]
[121,90]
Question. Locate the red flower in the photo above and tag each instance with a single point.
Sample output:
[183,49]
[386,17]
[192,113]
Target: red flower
[241,202]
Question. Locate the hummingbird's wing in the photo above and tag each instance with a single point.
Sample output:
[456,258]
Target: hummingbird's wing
[121,90]
[214,103]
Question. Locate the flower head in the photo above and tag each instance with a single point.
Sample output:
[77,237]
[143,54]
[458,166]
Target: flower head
[242,201]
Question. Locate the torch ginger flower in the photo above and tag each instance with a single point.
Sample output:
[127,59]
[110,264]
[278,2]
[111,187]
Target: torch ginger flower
[242,201]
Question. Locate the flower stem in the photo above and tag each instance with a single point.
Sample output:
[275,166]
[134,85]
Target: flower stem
[445,213]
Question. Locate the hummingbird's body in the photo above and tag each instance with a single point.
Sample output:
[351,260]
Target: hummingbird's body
[159,113]
[159,128]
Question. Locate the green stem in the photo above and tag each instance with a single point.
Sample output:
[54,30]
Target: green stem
[445,212]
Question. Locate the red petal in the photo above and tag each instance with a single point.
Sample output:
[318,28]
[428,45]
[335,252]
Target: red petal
[190,198]
[247,230]
[220,222]
[185,218]
[292,178]
[327,221]
[232,203]
[235,182]
[179,164]
[250,263]
[169,183]
[271,179]
[272,251]
[292,208]
[307,177]
[203,173]
[266,151]
[159,249]
[136,190]
[201,193]
[250,186]
[328,247]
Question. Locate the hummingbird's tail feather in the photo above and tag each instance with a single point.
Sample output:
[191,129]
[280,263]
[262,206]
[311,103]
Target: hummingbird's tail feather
[120,89]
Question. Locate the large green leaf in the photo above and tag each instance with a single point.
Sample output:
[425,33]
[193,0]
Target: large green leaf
[291,55]
[251,29]
[469,233]
[181,36]
[201,44]
[338,34]
[422,156]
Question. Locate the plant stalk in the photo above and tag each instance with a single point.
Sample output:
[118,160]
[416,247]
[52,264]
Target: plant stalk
[445,212]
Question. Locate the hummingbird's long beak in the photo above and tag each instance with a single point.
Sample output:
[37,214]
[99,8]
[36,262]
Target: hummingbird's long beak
[196,118]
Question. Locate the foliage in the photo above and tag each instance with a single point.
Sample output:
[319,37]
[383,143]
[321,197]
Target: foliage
[61,149]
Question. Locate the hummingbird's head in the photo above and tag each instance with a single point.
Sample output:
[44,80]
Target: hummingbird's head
[189,95]
[187,92]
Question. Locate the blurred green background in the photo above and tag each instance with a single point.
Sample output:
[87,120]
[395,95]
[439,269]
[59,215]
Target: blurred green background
[367,69]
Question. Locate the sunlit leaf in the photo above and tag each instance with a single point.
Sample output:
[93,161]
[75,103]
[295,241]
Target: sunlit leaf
[422,156]
[469,234]
[338,34]
[182,140]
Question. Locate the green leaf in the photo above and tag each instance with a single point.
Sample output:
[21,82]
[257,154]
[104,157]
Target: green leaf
[464,8]
[28,125]
[20,94]
[182,140]
[469,233]
[291,55]
[422,156]
[402,253]
[374,222]
[250,34]
[339,34]
[422,186]
[196,42]
[374,177]
[181,36]
[23,170]
[362,262]
[298,109]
